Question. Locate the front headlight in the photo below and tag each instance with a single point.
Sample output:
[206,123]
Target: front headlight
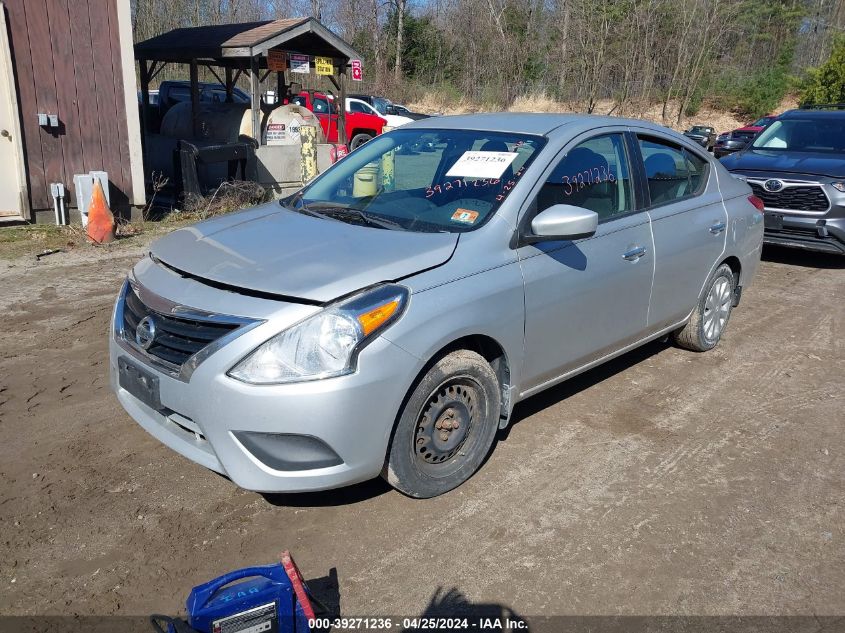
[839,186]
[325,344]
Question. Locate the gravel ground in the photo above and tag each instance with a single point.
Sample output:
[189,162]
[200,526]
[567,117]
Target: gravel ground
[665,482]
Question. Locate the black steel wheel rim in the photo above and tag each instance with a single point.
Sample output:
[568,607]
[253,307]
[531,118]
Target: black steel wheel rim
[445,424]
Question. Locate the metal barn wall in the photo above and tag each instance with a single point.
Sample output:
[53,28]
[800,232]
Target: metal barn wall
[69,60]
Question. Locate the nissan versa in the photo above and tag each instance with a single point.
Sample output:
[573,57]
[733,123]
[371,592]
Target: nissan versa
[387,317]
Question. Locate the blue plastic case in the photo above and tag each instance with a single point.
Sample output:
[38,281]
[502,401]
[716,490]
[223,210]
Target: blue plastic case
[263,603]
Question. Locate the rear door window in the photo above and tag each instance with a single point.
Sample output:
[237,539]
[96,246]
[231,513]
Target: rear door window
[672,172]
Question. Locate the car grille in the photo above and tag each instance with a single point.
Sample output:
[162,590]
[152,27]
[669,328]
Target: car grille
[809,198]
[176,339]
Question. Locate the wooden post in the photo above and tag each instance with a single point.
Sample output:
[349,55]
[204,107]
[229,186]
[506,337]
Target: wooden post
[145,105]
[308,136]
[281,88]
[388,179]
[255,89]
[145,93]
[195,97]
[341,115]
[230,85]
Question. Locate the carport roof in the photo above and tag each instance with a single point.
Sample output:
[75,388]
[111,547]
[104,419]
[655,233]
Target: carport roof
[244,40]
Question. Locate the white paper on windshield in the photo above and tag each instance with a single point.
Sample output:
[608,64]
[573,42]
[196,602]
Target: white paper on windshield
[481,165]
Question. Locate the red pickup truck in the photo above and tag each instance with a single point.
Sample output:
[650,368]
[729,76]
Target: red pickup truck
[360,127]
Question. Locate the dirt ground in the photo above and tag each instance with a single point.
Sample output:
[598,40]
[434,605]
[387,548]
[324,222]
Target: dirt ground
[665,482]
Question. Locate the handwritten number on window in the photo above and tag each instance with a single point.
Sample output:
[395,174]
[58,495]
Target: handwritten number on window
[586,178]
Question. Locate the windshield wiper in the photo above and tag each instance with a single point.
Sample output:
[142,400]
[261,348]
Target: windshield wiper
[337,212]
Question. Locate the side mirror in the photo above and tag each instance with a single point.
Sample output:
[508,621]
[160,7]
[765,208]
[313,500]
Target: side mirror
[563,222]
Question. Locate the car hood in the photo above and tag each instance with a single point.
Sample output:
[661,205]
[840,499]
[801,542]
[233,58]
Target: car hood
[749,129]
[397,120]
[787,162]
[272,250]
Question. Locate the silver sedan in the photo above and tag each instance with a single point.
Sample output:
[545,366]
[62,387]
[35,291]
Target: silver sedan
[385,319]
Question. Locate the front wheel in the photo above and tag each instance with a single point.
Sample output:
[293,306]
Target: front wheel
[707,323]
[358,140]
[446,427]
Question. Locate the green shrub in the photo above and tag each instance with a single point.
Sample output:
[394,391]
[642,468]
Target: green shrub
[826,84]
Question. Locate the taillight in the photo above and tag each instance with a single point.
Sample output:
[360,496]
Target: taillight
[758,204]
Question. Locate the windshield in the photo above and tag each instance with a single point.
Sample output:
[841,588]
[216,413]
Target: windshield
[382,105]
[804,135]
[422,180]
[762,122]
[696,129]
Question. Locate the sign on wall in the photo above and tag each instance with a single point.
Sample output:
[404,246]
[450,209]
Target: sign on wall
[277,61]
[357,70]
[324,65]
[300,64]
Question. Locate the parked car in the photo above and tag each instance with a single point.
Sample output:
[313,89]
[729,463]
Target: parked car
[383,106]
[737,139]
[360,127]
[797,167]
[171,92]
[393,120]
[386,318]
[405,111]
[704,135]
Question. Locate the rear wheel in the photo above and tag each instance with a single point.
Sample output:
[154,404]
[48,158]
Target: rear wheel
[446,428]
[707,323]
[359,139]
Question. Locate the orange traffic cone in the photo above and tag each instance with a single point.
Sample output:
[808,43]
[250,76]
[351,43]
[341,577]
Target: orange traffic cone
[100,218]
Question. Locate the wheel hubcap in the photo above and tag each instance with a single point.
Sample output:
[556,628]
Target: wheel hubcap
[717,308]
[445,423]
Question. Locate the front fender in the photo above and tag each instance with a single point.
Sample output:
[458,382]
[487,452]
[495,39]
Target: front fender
[489,303]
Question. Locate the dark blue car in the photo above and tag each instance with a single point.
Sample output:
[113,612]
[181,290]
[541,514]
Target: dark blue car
[797,167]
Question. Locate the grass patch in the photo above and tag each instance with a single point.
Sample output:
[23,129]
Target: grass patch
[17,241]
[228,197]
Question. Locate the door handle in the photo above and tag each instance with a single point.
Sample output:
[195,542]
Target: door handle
[717,228]
[634,254]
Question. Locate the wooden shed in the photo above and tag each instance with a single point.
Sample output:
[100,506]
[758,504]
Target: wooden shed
[68,103]
[262,52]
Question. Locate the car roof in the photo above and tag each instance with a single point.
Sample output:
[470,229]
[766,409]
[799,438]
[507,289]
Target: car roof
[539,124]
[812,113]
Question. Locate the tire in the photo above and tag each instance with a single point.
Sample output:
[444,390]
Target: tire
[358,140]
[460,389]
[710,317]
